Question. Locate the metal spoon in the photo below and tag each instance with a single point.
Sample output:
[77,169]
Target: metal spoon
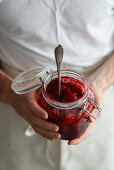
[58,57]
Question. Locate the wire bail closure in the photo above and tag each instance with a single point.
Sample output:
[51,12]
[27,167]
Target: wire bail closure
[95,105]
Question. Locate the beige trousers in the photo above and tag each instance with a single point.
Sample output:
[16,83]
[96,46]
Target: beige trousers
[18,152]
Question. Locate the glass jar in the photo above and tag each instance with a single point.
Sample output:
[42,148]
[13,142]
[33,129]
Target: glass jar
[72,117]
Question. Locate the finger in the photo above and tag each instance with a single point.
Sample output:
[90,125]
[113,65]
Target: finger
[94,113]
[46,137]
[34,107]
[83,136]
[48,133]
[44,123]
[38,111]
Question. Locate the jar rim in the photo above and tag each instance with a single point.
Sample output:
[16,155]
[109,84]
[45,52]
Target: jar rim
[68,105]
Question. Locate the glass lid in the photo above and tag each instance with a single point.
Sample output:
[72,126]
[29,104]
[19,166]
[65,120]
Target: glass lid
[30,80]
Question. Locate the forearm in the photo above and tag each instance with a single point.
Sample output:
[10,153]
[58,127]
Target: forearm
[5,86]
[104,76]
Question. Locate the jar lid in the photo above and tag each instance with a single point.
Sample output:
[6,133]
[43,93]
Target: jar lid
[30,80]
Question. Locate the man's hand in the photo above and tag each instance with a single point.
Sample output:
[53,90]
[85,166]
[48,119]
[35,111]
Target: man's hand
[99,81]
[28,108]
[99,100]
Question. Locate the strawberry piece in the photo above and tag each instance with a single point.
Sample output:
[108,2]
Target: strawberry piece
[80,88]
[54,114]
[64,80]
[69,96]
[72,86]
[63,87]
[69,118]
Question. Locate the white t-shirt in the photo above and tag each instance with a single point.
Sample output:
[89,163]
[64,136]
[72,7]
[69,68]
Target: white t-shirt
[31,29]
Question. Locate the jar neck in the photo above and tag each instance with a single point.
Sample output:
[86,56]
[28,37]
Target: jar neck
[69,74]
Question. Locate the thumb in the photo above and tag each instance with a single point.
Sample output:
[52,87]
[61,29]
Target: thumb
[95,112]
[34,106]
[99,100]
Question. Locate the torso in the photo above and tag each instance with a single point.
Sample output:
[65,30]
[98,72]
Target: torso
[30,30]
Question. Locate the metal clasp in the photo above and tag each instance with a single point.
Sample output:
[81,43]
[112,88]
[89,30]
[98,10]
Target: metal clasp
[41,79]
[95,105]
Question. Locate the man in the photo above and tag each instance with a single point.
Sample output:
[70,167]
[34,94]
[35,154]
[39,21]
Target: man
[29,32]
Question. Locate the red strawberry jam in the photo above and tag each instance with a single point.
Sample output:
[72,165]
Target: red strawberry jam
[73,121]
[71,90]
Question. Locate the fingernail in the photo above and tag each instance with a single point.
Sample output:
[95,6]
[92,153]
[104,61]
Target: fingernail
[55,128]
[69,143]
[45,116]
[58,136]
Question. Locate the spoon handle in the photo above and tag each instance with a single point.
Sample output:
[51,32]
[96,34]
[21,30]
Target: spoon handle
[59,78]
[58,57]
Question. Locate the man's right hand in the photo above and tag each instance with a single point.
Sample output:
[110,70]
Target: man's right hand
[28,108]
